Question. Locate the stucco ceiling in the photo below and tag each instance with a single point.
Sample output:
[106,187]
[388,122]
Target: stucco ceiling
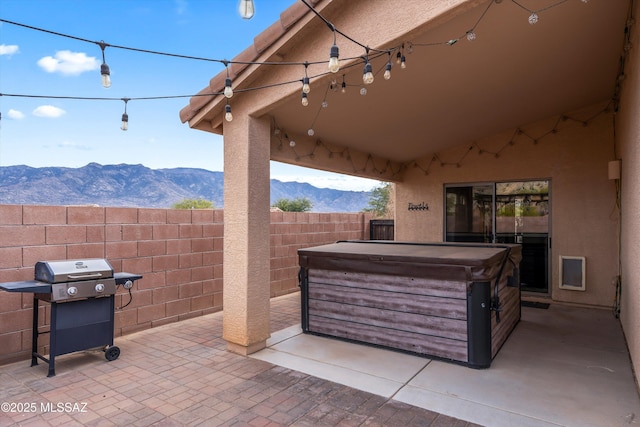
[512,74]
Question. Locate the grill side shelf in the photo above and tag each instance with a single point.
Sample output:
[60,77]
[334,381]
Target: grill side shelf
[26,286]
[121,278]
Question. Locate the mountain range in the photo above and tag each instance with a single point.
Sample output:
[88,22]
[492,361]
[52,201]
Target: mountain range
[139,186]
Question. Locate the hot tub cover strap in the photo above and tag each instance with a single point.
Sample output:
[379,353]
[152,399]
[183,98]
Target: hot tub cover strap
[495,303]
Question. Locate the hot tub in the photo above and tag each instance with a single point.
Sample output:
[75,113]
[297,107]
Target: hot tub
[452,301]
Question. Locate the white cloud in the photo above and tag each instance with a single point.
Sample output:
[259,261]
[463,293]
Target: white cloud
[9,49]
[181,7]
[337,181]
[49,111]
[15,114]
[69,63]
[74,146]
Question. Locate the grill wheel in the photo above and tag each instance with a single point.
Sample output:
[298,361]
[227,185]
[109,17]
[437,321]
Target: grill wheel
[112,353]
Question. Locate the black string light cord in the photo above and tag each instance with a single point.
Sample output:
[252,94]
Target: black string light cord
[370,53]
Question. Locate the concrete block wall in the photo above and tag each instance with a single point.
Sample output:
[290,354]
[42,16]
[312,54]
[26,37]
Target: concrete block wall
[179,253]
[291,231]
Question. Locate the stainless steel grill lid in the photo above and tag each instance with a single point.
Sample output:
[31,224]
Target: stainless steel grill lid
[73,270]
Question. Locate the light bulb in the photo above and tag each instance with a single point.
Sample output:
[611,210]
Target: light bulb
[334,62]
[398,57]
[403,62]
[311,132]
[246,9]
[344,87]
[363,91]
[227,115]
[125,122]
[228,90]
[106,77]
[292,143]
[305,85]
[471,36]
[325,104]
[533,18]
[387,71]
[305,100]
[367,75]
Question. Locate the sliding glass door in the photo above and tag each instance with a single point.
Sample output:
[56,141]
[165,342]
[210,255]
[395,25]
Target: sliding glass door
[504,212]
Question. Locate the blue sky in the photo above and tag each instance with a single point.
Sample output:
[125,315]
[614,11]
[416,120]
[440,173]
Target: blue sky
[71,133]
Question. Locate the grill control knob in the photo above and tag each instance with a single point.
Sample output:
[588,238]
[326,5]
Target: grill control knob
[99,287]
[72,290]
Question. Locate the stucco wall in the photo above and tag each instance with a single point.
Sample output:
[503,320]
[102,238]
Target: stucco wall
[572,153]
[179,253]
[628,139]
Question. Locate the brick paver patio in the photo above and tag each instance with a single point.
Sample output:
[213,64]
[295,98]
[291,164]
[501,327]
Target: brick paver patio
[181,374]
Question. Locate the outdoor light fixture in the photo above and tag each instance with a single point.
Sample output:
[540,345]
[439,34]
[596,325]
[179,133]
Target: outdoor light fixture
[305,80]
[246,9]
[344,85]
[104,68]
[367,74]
[125,116]
[403,62]
[334,62]
[228,90]
[227,115]
[305,100]
[305,85]
[387,70]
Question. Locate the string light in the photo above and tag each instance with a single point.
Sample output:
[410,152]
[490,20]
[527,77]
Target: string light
[227,112]
[518,132]
[387,71]
[104,68]
[334,64]
[367,74]
[305,100]
[228,90]
[247,9]
[125,117]
[305,80]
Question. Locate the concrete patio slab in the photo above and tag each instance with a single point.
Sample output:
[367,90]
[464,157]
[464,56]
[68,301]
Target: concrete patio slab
[563,366]
[371,369]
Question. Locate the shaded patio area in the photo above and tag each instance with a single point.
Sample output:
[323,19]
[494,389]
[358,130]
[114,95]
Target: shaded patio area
[561,366]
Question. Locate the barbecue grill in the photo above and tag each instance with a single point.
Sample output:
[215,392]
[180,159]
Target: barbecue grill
[82,298]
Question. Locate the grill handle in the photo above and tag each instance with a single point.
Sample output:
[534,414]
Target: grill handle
[84,276]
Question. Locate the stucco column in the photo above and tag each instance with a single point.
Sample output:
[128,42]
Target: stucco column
[246,234]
